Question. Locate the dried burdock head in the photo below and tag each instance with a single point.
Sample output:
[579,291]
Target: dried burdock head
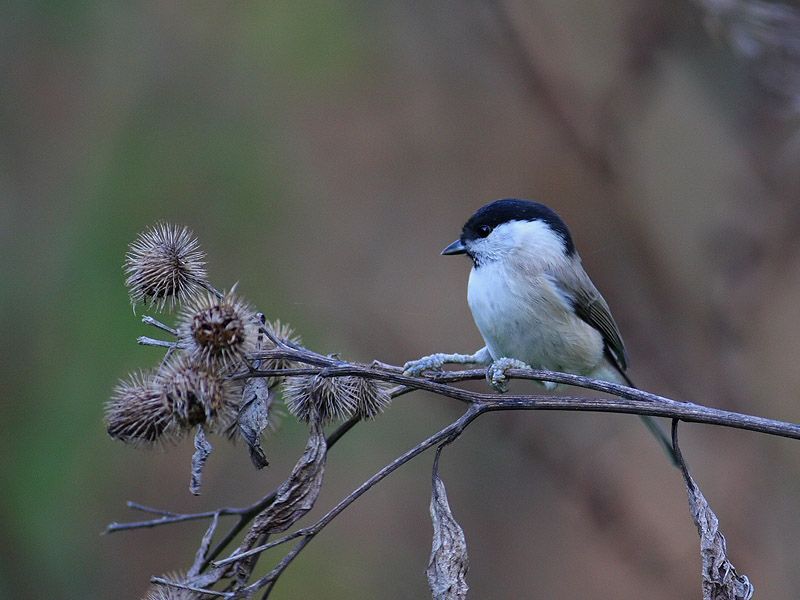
[218,332]
[164,266]
[196,393]
[137,413]
[287,335]
[372,396]
[331,398]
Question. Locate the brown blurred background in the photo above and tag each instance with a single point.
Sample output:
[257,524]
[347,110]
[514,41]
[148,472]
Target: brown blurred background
[324,153]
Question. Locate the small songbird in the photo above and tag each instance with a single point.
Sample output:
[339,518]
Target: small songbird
[532,301]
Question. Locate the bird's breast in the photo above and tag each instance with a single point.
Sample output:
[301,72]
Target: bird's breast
[527,317]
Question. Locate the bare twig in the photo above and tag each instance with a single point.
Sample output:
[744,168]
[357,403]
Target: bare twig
[143,340]
[148,320]
[212,289]
[625,400]
[246,513]
[448,433]
[629,400]
[183,586]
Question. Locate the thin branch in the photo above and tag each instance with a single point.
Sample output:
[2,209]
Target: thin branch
[629,400]
[149,509]
[245,513]
[143,340]
[183,586]
[679,456]
[272,577]
[625,400]
[449,433]
[212,289]
[271,336]
[168,519]
[148,320]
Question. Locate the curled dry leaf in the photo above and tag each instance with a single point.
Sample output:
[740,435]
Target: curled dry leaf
[720,580]
[254,415]
[448,564]
[295,497]
[202,448]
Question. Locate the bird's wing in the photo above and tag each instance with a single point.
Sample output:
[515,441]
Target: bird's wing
[592,308]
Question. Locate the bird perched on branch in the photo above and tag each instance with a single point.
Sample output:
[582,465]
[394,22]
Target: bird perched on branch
[532,301]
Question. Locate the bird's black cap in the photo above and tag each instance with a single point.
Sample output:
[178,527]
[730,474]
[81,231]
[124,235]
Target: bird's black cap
[509,209]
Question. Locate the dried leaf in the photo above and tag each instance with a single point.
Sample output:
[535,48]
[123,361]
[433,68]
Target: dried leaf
[254,417]
[257,398]
[720,580]
[202,448]
[448,564]
[296,495]
[294,498]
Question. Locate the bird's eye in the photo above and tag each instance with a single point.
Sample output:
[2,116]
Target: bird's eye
[484,230]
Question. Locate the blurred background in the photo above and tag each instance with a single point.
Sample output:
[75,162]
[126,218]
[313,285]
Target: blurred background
[324,153]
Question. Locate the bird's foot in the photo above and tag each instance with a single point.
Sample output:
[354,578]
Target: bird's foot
[496,372]
[432,362]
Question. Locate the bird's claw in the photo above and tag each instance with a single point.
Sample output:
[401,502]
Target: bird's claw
[496,372]
[432,362]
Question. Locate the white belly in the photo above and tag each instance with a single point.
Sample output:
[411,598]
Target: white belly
[531,321]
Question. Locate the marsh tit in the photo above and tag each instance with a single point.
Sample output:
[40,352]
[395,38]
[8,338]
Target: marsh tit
[533,303]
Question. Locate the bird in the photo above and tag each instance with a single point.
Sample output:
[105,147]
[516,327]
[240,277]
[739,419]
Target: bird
[533,303]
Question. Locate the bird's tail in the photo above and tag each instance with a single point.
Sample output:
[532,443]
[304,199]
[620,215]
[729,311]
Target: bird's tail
[651,424]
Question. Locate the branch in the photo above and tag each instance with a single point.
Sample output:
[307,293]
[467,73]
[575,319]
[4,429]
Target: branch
[626,401]
[246,513]
[447,434]
[629,400]
[143,340]
[148,320]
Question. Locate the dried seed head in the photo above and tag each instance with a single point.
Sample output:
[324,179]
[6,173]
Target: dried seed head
[137,413]
[297,397]
[218,332]
[196,393]
[164,266]
[285,333]
[331,398]
[372,396]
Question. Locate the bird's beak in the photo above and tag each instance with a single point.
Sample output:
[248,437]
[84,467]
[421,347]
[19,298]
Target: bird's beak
[456,247]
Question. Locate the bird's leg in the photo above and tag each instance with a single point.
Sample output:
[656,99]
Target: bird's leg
[434,362]
[496,372]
